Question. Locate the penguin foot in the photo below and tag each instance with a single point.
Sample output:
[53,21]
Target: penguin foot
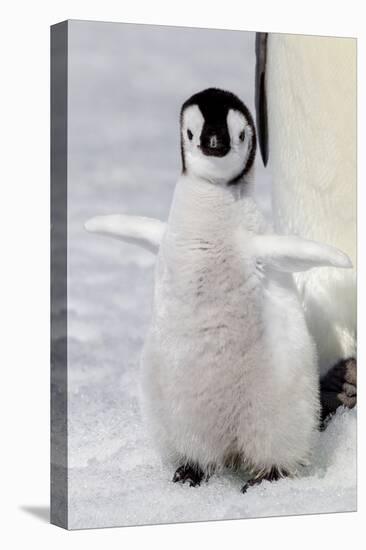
[273,475]
[339,387]
[189,473]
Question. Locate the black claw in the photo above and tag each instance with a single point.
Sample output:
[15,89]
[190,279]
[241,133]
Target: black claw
[273,475]
[188,473]
[249,484]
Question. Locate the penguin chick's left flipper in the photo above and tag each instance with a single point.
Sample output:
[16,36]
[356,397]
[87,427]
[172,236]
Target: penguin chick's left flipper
[272,475]
[339,387]
[189,473]
[145,232]
[291,254]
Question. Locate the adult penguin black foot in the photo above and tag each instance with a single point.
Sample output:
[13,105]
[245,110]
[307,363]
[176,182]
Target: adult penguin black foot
[339,387]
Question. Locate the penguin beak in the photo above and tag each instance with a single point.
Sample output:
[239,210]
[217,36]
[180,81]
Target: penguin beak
[215,141]
[212,146]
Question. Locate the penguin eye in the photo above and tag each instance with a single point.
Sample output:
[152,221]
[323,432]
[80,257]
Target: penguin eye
[242,135]
[189,134]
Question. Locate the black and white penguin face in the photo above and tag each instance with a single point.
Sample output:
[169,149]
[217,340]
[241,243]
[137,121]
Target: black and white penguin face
[217,136]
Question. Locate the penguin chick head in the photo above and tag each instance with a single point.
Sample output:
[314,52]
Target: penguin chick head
[218,141]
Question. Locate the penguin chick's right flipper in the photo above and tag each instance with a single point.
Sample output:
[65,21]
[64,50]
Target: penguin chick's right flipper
[190,473]
[339,387]
[291,254]
[145,232]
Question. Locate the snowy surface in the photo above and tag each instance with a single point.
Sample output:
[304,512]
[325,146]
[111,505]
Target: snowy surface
[126,85]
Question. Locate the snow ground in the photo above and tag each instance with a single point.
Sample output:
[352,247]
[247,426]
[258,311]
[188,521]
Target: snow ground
[126,85]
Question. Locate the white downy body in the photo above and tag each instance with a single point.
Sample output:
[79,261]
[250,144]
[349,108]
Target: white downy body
[229,368]
[311,89]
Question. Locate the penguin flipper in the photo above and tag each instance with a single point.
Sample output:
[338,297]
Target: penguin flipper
[291,254]
[144,232]
[261,93]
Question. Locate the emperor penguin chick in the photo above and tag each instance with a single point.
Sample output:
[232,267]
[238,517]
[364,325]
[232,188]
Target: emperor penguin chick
[229,369]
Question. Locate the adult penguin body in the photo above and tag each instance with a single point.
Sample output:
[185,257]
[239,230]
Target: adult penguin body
[306,121]
[229,372]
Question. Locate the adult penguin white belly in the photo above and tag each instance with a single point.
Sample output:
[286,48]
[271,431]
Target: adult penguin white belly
[306,119]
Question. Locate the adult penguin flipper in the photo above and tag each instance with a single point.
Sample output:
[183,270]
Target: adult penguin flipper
[144,232]
[291,254]
[261,93]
